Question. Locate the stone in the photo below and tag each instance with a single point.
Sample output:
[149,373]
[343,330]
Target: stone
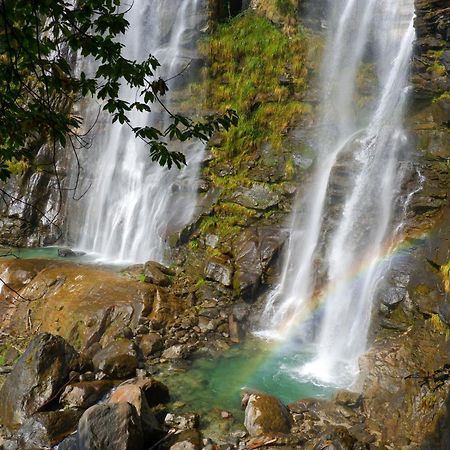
[235,329]
[348,398]
[156,273]
[182,422]
[174,352]
[186,440]
[259,197]
[69,443]
[37,377]
[219,269]
[265,414]
[46,429]
[134,395]
[156,393]
[118,359]
[85,393]
[110,427]
[68,253]
[150,343]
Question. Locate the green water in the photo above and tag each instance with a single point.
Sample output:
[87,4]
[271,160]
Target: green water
[212,385]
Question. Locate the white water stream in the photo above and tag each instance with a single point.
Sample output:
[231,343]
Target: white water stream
[343,225]
[133,203]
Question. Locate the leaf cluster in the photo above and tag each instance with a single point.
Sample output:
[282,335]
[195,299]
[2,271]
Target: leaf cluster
[40,42]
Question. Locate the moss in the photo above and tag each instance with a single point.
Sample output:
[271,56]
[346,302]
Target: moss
[439,326]
[445,271]
[428,401]
[443,96]
[16,167]
[194,244]
[249,55]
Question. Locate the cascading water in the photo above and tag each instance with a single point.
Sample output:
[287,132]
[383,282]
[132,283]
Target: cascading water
[343,223]
[132,202]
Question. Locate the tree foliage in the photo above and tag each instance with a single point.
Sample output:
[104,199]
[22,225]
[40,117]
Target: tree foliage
[39,43]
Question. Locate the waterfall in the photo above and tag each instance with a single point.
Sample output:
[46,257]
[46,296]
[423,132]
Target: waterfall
[343,222]
[133,203]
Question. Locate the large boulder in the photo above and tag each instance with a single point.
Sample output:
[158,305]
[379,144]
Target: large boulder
[134,395]
[265,414]
[37,378]
[110,427]
[118,359]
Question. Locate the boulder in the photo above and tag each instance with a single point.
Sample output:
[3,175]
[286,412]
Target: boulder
[156,273]
[86,393]
[46,429]
[110,427]
[219,269]
[134,395]
[174,352]
[265,414]
[37,377]
[118,359]
[150,343]
[182,422]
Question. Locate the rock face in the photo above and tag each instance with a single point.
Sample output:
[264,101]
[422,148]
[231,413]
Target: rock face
[431,64]
[36,378]
[110,427]
[84,305]
[265,414]
[254,250]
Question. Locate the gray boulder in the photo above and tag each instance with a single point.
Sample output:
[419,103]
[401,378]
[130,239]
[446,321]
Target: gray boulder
[110,427]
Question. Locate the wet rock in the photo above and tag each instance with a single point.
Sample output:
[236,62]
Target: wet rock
[86,393]
[182,422]
[118,359]
[69,253]
[265,414]
[110,427]
[46,429]
[259,196]
[37,377]
[235,329]
[157,273]
[150,343]
[219,269]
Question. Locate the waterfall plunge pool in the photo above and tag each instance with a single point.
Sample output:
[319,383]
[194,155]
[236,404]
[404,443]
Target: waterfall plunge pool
[213,384]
